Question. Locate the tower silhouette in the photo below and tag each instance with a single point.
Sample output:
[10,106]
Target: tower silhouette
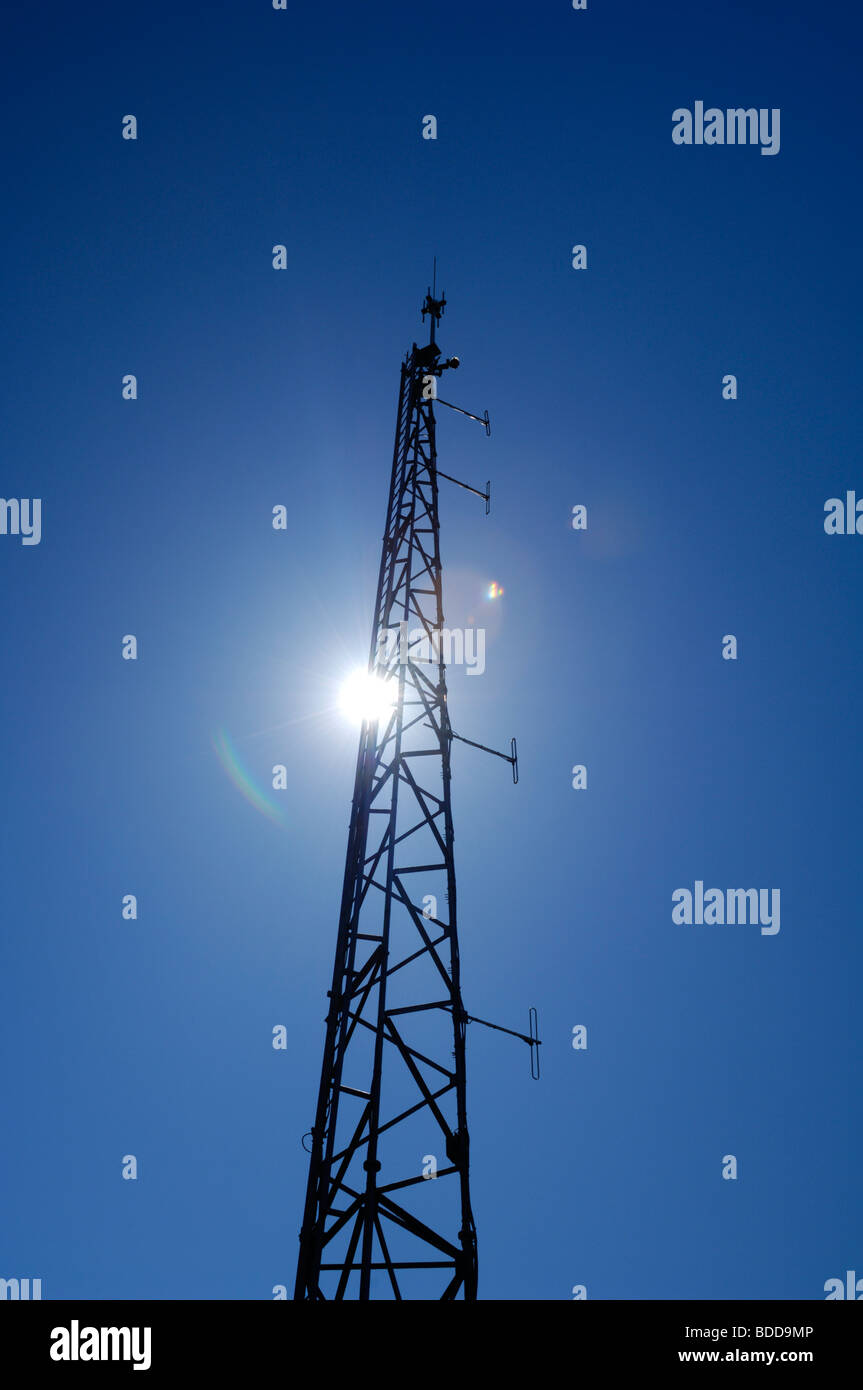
[387,1211]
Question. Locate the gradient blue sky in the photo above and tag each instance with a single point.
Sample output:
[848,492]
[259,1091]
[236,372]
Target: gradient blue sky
[257,388]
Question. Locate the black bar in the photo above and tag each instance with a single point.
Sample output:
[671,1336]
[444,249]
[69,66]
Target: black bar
[213,1342]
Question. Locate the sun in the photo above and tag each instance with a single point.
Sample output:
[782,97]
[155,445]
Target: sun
[364,697]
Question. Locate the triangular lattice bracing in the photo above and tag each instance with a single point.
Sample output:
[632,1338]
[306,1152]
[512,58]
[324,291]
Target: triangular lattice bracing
[392,1095]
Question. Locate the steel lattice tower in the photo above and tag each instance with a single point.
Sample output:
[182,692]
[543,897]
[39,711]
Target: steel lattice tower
[392,1100]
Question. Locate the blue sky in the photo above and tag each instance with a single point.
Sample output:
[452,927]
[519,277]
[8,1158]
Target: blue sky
[259,388]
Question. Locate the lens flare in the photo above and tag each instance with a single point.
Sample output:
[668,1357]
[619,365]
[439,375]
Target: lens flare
[244,781]
[495,591]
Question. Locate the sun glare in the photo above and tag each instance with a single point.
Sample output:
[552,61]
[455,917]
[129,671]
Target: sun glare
[364,696]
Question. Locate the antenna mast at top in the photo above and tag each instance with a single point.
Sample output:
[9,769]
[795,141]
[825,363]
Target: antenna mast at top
[433,306]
